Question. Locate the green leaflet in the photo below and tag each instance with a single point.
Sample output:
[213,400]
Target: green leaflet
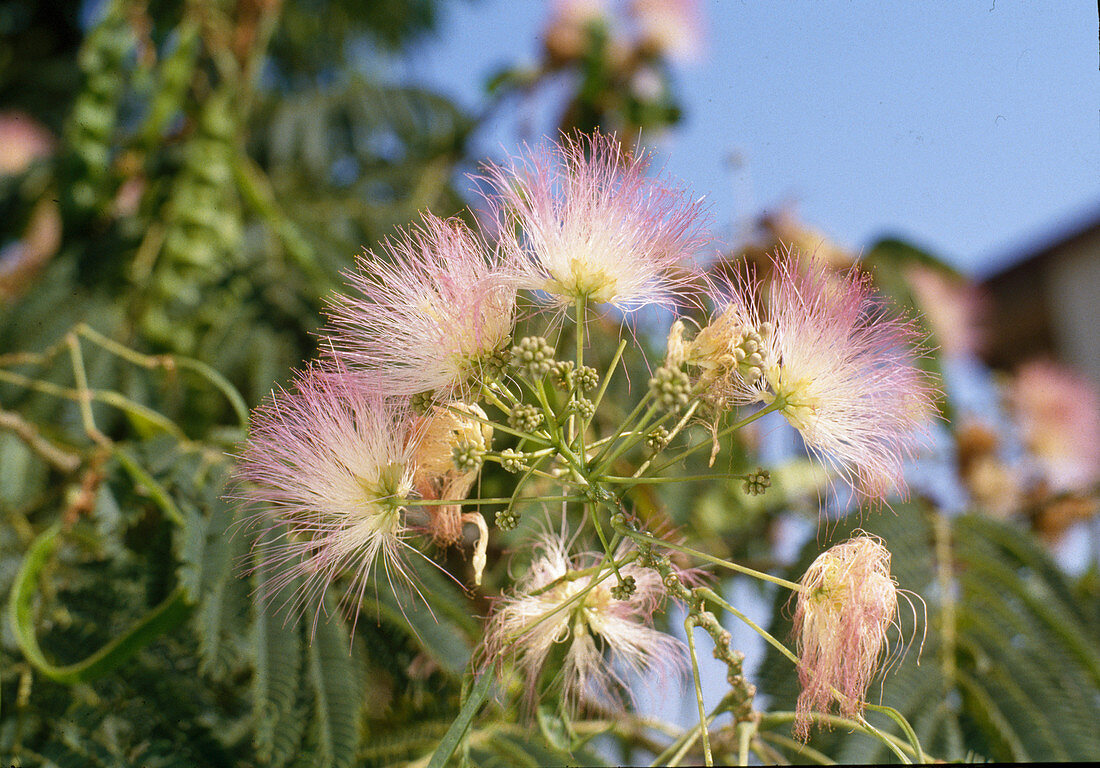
[277,667]
[164,617]
[454,735]
[337,692]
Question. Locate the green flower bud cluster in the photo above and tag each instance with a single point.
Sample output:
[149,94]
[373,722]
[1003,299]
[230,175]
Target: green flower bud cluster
[494,365]
[583,407]
[756,483]
[525,418]
[586,379]
[657,440]
[624,589]
[561,375]
[512,461]
[671,387]
[749,352]
[467,457]
[533,357]
[421,402]
[507,519]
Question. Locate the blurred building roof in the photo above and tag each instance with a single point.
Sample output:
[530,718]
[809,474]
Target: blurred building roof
[1044,299]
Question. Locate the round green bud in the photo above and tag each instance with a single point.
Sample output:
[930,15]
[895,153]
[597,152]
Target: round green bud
[512,461]
[671,387]
[533,357]
[624,589]
[525,418]
[467,457]
[756,483]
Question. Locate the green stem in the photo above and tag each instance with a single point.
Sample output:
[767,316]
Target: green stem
[164,617]
[771,719]
[599,458]
[711,595]
[906,728]
[710,558]
[888,742]
[610,372]
[689,628]
[496,425]
[745,731]
[671,436]
[803,750]
[774,406]
[617,480]
[496,500]
[583,573]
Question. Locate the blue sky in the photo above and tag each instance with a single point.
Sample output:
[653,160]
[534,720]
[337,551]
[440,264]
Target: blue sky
[969,127]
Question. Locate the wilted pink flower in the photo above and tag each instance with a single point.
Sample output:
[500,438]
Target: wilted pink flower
[433,310]
[583,221]
[329,462]
[1059,411]
[597,631]
[847,602]
[826,349]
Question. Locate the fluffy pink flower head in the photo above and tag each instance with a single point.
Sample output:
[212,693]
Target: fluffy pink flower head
[583,221]
[822,347]
[545,615]
[847,602]
[328,468]
[433,310]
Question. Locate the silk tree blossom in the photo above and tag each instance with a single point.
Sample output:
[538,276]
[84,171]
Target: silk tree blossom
[822,349]
[434,308]
[847,601]
[329,468]
[584,222]
[559,606]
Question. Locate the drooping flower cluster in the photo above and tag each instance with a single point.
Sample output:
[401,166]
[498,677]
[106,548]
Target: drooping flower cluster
[561,603]
[847,602]
[823,350]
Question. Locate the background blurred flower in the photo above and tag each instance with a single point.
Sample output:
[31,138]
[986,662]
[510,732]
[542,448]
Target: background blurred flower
[1059,412]
[22,141]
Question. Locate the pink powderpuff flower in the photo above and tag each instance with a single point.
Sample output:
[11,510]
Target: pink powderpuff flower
[827,353]
[596,631]
[847,602]
[328,468]
[434,310]
[584,222]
